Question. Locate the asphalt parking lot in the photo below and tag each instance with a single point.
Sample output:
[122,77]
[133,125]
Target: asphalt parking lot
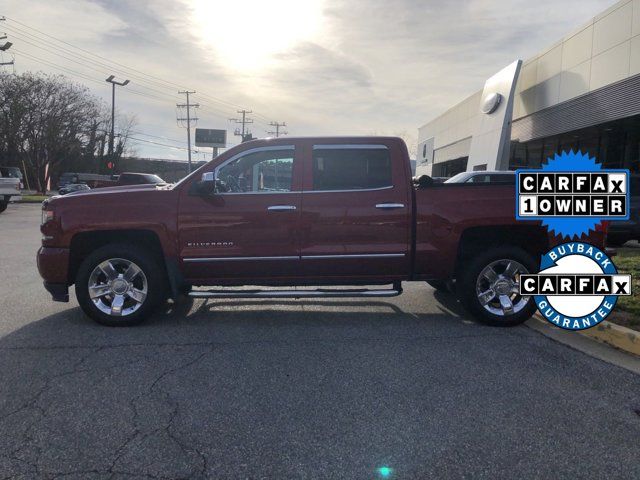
[296,389]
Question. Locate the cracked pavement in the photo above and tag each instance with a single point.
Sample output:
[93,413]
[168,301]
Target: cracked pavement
[295,389]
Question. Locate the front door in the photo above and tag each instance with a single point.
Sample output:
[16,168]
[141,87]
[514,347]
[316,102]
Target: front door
[247,231]
[356,212]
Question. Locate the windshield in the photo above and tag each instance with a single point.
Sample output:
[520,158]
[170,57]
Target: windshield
[153,179]
[11,172]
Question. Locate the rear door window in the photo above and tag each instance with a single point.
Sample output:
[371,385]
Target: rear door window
[502,178]
[351,167]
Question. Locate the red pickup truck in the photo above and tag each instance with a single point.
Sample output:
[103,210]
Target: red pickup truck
[338,213]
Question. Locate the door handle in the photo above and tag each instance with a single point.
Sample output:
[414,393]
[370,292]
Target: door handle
[280,208]
[389,205]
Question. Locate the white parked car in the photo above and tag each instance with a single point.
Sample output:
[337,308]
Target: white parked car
[9,187]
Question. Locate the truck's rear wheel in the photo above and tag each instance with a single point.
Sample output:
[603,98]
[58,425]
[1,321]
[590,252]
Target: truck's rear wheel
[120,285]
[3,205]
[489,286]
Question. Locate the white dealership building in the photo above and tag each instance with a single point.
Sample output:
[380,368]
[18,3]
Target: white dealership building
[582,92]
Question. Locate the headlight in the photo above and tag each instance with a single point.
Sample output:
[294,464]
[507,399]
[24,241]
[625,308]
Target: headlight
[47,215]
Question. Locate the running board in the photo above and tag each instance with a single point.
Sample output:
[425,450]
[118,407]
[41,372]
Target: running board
[324,293]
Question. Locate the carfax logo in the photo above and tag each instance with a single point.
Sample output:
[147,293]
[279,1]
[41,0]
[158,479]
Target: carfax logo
[577,287]
[572,194]
[578,284]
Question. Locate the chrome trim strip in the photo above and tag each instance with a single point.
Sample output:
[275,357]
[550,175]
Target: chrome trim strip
[390,205]
[350,146]
[235,259]
[280,208]
[292,257]
[354,255]
[258,193]
[292,293]
[349,191]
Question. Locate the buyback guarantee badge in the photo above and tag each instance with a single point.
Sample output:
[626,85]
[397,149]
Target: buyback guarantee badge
[578,284]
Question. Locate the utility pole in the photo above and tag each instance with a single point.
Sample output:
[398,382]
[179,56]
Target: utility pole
[277,125]
[244,133]
[113,83]
[6,46]
[188,119]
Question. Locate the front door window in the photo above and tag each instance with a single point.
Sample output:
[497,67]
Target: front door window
[268,171]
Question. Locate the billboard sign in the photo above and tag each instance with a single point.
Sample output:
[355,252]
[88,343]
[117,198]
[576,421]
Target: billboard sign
[207,137]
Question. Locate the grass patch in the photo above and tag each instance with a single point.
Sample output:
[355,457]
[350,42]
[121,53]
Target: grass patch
[627,310]
[33,198]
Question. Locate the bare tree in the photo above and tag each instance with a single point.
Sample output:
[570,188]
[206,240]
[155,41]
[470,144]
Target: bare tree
[49,122]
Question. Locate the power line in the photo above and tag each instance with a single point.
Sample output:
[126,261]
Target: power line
[84,76]
[111,62]
[104,69]
[137,132]
[91,53]
[93,62]
[157,143]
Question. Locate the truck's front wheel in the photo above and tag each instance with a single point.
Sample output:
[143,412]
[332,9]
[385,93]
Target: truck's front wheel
[489,286]
[119,285]
[3,205]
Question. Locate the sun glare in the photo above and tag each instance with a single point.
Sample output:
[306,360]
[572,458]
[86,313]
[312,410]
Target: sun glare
[246,35]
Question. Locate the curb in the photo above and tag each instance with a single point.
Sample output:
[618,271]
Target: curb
[622,338]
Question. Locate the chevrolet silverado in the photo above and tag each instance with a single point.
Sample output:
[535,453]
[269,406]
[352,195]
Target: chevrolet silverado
[339,214]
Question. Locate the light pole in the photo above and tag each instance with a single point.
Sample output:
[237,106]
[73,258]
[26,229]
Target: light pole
[113,109]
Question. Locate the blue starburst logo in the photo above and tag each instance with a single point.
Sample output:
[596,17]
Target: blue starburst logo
[571,162]
[566,214]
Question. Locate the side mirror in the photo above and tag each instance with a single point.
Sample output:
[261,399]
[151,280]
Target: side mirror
[206,185]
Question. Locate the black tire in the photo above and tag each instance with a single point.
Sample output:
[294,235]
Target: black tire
[150,266]
[470,273]
[440,285]
[3,206]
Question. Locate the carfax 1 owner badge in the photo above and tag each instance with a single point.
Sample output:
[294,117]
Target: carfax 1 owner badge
[578,284]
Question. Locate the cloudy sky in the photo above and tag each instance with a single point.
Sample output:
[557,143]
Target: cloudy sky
[322,66]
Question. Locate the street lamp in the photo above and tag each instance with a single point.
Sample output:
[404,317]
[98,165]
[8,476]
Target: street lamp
[113,83]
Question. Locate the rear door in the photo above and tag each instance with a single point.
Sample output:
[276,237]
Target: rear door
[356,208]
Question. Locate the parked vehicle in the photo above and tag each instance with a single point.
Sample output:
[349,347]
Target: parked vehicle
[484,176]
[12,172]
[128,178]
[93,180]
[291,212]
[440,179]
[621,231]
[73,187]
[9,187]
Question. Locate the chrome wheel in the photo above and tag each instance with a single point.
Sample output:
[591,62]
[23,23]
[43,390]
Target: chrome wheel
[118,287]
[497,287]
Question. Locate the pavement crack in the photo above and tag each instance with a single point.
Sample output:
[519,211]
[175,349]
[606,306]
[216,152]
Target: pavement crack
[138,434]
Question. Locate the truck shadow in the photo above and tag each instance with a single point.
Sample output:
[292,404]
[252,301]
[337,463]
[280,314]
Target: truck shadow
[188,321]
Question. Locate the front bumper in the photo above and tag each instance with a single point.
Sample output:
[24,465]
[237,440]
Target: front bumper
[53,265]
